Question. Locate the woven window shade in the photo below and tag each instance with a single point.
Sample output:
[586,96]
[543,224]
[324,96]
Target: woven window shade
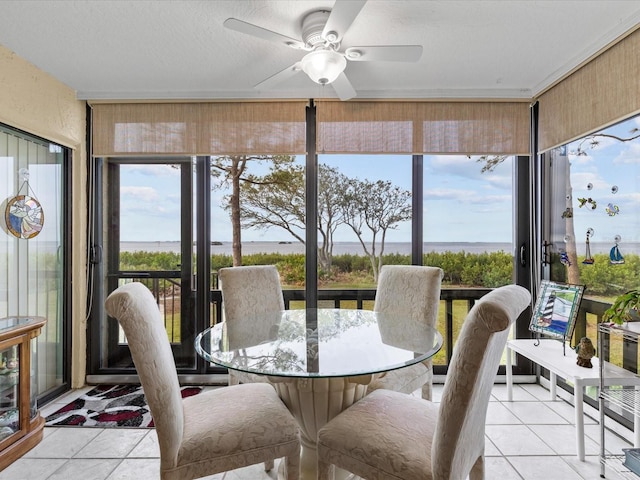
[602,92]
[199,128]
[423,127]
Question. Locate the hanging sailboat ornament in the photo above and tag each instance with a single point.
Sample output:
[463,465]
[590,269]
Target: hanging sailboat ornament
[23,214]
[588,259]
[615,257]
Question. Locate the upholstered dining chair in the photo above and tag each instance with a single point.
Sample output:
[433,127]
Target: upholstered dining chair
[411,291]
[248,292]
[214,431]
[389,435]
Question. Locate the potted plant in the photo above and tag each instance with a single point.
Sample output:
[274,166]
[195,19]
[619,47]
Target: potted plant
[624,308]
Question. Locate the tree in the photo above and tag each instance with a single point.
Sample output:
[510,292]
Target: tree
[377,207]
[278,200]
[592,141]
[573,269]
[230,171]
[331,187]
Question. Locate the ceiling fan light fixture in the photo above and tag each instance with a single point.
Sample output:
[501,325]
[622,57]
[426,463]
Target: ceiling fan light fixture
[323,66]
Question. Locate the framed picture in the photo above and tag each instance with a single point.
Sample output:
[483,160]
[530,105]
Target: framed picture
[556,309]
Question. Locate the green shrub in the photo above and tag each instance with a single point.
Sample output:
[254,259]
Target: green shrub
[348,263]
[602,278]
[150,261]
[352,271]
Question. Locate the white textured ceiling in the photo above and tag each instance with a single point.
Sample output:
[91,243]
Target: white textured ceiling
[164,49]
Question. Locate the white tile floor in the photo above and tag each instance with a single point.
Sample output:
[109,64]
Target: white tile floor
[530,438]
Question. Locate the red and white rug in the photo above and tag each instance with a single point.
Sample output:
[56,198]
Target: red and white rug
[109,406]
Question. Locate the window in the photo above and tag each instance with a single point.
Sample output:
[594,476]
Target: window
[254,193]
[594,213]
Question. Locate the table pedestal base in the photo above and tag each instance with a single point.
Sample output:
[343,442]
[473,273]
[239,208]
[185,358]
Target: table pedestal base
[313,402]
[312,473]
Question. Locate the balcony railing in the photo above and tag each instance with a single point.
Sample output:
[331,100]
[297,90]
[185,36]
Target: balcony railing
[455,303]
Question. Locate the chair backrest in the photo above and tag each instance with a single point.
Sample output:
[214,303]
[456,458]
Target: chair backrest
[135,308]
[410,290]
[459,435]
[249,291]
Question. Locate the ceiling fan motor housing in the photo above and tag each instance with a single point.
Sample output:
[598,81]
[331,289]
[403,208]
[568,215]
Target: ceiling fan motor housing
[312,27]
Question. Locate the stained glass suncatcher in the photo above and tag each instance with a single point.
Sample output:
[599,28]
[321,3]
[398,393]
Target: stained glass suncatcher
[24,216]
[556,309]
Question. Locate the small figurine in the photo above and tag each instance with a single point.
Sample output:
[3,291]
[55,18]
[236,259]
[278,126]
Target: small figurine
[612,210]
[590,201]
[585,351]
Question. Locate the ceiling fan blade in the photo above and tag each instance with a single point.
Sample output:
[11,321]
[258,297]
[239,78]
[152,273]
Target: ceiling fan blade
[279,77]
[341,17]
[343,87]
[384,53]
[256,31]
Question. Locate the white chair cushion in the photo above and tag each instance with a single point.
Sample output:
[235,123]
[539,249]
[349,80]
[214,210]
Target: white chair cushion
[260,420]
[383,425]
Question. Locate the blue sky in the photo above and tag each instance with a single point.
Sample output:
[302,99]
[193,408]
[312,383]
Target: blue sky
[460,202]
[453,184]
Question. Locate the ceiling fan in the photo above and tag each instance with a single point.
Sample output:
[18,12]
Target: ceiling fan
[322,32]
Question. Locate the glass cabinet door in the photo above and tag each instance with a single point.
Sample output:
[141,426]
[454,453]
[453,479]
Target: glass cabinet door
[9,391]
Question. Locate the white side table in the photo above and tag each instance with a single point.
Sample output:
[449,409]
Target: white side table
[549,354]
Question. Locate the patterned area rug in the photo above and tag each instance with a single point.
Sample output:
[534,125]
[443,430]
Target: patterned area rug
[109,406]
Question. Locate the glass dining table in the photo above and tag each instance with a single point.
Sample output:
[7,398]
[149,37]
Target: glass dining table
[320,361]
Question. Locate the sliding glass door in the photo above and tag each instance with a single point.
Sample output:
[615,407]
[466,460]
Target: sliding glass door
[33,247]
[146,235]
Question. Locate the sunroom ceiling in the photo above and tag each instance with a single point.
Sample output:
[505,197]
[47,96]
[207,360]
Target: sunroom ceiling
[164,49]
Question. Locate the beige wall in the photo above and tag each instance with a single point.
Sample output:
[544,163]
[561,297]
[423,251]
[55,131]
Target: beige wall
[39,104]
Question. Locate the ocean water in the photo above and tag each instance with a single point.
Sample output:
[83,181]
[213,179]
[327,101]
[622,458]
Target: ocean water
[340,248]
[354,248]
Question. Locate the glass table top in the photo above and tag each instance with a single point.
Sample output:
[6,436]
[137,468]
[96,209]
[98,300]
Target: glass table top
[318,343]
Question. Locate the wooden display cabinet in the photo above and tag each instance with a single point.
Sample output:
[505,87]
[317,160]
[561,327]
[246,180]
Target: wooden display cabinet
[21,426]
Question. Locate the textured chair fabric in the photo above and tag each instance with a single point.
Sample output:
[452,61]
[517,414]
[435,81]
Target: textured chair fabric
[248,292]
[215,431]
[411,291]
[389,435]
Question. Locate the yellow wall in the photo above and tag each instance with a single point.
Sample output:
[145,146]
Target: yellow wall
[34,101]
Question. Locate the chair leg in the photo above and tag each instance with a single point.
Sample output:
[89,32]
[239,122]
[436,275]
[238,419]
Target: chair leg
[325,470]
[233,380]
[427,387]
[427,391]
[477,471]
[269,465]
[292,467]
